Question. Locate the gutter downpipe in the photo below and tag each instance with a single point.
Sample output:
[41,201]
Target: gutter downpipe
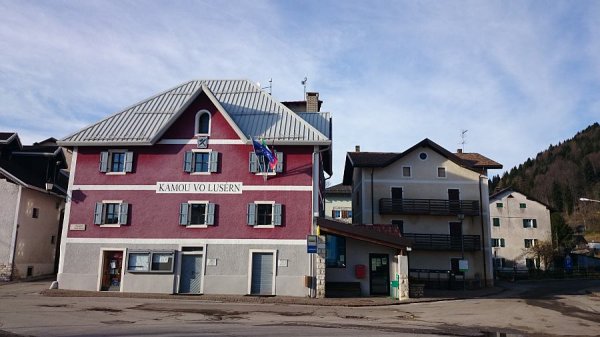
[372,199]
[315,203]
[482,231]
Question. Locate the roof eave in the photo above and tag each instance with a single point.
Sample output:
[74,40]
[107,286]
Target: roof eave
[100,143]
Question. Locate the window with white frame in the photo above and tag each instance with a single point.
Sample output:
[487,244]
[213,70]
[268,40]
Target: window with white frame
[530,243]
[441,172]
[406,171]
[150,261]
[200,161]
[529,223]
[341,213]
[111,212]
[116,161]
[499,262]
[202,125]
[496,222]
[498,242]
[260,164]
[197,213]
[264,214]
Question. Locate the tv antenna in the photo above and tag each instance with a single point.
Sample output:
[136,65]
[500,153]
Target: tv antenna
[304,84]
[270,87]
[463,136]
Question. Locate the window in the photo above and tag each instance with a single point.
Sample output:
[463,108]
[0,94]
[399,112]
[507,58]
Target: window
[495,242]
[196,161]
[529,223]
[454,266]
[529,243]
[264,214]
[522,205]
[441,172]
[530,263]
[341,214]
[260,164]
[399,224]
[150,262]
[498,242]
[496,222]
[335,247]
[111,213]
[406,171]
[423,155]
[202,123]
[35,213]
[499,262]
[116,161]
[197,213]
[499,205]
[336,214]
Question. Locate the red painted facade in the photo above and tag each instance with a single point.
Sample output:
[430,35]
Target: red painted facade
[153,215]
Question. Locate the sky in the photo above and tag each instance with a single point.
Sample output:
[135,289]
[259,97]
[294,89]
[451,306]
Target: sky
[518,75]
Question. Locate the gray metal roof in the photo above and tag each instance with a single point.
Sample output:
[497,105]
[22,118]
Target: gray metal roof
[251,112]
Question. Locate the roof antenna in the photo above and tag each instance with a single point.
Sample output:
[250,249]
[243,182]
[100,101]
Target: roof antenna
[270,87]
[463,135]
[304,84]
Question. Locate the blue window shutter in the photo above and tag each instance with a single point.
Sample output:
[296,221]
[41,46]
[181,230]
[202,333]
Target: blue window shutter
[253,163]
[183,214]
[128,161]
[210,214]
[98,213]
[277,214]
[123,212]
[214,160]
[104,161]
[279,166]
[251,214]
[534,223]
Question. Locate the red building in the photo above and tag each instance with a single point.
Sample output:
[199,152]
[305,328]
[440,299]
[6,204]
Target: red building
[168,195]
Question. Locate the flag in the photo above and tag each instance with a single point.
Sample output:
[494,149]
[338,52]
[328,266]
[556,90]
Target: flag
[261,149]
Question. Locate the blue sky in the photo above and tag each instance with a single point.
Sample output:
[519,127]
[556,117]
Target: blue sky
[518,75]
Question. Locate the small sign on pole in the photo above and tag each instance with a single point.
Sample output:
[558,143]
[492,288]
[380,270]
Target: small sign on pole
[311,244]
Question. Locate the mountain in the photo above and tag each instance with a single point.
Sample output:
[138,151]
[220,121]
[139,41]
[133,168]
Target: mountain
[560,176]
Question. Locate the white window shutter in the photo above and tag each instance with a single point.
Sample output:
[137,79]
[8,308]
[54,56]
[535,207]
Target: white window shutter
[214,161]
[98,213]
[104,161]
[279,166]
[187,161]
[210,214]
[251,215]
[123,212]
[277,214]
[183,214]
[128,161]
[253,163]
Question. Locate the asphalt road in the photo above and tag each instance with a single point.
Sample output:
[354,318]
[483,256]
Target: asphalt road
[551,308]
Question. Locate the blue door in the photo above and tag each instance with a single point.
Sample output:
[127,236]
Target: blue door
[191,274]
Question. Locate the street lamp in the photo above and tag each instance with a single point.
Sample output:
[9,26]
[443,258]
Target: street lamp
[589,200]
[461,217]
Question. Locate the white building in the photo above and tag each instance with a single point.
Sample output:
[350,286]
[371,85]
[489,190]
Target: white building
[338,202]
[435,198]
[517,223]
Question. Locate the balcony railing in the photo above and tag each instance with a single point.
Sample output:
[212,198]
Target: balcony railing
[444,242]
[428,206]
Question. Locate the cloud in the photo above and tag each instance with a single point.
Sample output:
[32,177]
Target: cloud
[517,75]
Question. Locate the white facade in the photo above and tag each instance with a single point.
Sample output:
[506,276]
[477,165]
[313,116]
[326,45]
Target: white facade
[338,203]
[414,191]
[517,223]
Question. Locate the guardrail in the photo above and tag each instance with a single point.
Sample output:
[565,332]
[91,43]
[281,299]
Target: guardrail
[428,206]
[444,242]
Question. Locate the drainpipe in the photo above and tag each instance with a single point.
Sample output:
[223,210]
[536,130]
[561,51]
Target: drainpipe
[372,199]
[315,208]
[482,231]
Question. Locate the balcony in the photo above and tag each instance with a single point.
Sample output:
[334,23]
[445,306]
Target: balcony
[428,206]
[444,242]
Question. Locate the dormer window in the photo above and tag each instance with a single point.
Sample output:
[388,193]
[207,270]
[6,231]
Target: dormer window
[202,122]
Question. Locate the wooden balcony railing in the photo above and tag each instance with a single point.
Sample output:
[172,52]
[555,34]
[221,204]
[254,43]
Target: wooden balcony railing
[428,206]
[444,242]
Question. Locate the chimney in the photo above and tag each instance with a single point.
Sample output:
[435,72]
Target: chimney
[312,102]
[357,148]
[459,151]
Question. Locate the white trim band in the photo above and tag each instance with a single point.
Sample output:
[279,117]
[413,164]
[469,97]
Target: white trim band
[195,141]
[299,188]
[124,241]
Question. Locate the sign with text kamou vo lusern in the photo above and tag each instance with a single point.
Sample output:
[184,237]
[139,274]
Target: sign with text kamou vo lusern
[195,187]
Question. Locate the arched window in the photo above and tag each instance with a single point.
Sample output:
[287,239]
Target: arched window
[203,122]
